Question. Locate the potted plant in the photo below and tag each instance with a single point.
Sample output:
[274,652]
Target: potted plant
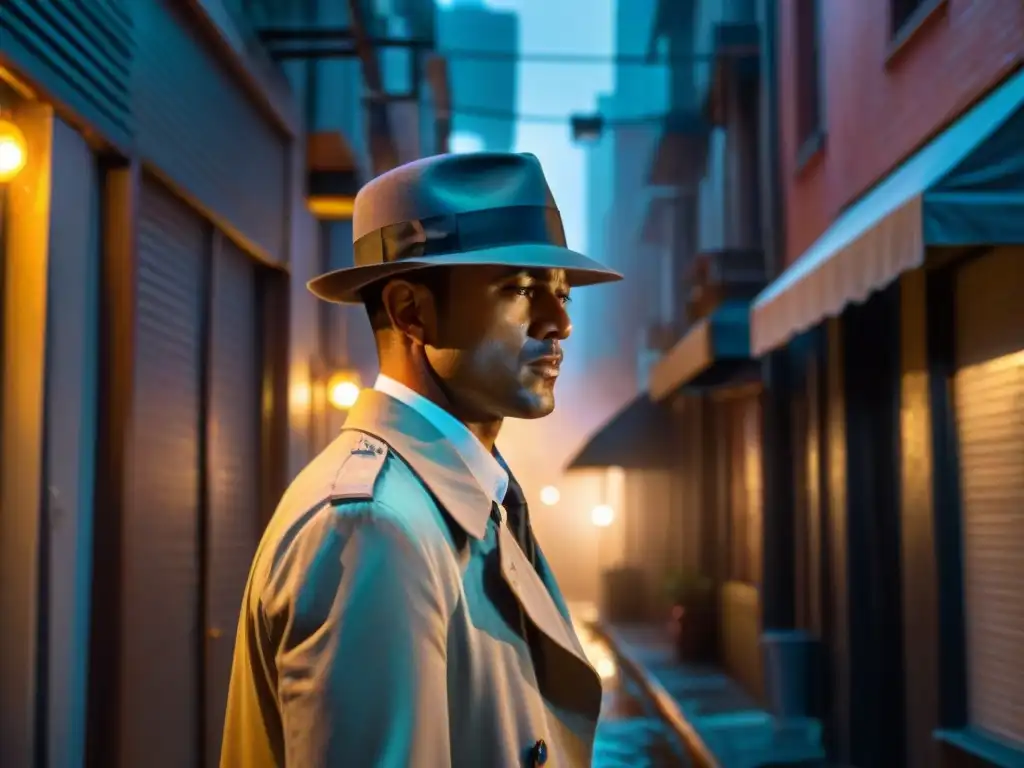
[691,598]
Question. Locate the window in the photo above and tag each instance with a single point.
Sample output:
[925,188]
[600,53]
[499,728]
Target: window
[988,397]
[809,95]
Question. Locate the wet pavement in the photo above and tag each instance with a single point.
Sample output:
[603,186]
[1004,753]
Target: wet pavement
[729,722]
[629,735]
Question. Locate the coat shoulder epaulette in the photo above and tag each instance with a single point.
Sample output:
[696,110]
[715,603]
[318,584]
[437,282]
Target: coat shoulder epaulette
[361,466]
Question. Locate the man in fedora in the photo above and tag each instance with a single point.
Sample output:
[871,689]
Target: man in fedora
[399,612]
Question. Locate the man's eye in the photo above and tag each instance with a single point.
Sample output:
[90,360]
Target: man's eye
[530,290]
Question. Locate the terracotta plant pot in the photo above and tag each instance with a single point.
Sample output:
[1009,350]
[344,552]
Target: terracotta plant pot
[692,629]
[691,621]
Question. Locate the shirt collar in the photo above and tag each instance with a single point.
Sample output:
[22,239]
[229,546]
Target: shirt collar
[485,468]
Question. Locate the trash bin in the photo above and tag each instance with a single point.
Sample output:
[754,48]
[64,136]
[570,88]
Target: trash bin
[623,595]
[789,660]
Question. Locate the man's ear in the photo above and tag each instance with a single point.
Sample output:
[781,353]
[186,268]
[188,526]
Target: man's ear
[410,309]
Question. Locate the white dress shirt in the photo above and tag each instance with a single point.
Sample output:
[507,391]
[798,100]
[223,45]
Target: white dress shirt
[486,469]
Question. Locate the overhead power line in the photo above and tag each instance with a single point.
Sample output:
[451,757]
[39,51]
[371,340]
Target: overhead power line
[498,114]
[337,42]
[307,50]
[456,54]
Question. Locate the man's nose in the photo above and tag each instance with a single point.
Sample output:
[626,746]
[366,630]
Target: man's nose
[551,320]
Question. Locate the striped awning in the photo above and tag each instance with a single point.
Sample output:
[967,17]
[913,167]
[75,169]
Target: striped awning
[964,188]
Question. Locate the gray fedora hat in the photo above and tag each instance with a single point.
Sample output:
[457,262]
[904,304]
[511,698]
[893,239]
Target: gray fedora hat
[492,208]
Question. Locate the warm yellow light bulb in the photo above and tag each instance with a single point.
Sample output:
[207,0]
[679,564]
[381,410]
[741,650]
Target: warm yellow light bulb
[602,515]
[13,151]
[343,393]
[549,495]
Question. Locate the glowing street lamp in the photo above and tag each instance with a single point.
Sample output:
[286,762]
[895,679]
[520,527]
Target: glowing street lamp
[549,495]
[343,390]
[13,151]
[602,515]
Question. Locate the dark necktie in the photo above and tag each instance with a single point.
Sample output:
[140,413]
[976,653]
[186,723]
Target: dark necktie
[518,518]
[518,514]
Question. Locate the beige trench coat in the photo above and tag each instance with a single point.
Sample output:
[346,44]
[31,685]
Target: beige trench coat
[384,618]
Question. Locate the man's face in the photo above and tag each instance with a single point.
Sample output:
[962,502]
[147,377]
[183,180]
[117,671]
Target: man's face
[496,340]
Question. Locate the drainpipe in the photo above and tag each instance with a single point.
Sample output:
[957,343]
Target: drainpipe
[312,78]
[777,583]
[383,150]
[772,199]
[790,660]
[437,76]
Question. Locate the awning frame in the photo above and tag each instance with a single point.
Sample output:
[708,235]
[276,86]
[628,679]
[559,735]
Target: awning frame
[886,232]
[715,351]
[636,437]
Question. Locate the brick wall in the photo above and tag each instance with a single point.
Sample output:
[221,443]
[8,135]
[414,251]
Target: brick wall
[881,107]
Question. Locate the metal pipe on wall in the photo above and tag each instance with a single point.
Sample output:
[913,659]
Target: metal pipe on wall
[383,150]
[777,587]
[773,205]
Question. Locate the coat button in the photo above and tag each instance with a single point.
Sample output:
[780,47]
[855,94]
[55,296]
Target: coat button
[540,753]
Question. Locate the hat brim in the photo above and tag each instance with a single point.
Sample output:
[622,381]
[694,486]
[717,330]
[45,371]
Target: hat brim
[342,286]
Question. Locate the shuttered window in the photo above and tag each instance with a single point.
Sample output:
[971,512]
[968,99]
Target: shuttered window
[745,491]
[193,482]
[233,525]
[989,398]
[159,643]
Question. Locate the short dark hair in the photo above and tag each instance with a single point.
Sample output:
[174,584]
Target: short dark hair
[435,279]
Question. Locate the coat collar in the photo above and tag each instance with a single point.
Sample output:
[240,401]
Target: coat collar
[486,467]
[432,457]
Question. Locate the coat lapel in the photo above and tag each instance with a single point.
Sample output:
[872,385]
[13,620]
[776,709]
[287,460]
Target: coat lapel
[443,472]
[534,596]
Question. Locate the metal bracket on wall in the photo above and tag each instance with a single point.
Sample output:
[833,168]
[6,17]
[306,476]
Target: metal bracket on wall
[355,41]
[312,43]
[328,42]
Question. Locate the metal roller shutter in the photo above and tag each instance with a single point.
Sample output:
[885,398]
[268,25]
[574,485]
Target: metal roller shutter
[743,427]
[989,396]
[233,526]
[160,625]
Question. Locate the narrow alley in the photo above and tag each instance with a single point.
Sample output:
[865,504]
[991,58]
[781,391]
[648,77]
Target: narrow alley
[773,454]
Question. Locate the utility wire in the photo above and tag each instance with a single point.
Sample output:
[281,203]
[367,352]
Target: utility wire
[306,50]
[331,42]
[454,54]
[498,114]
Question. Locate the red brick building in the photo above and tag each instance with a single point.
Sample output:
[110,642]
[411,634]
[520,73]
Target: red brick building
[893,341]
[883,97]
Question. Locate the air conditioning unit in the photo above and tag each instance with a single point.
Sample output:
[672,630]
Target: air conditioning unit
[720,275]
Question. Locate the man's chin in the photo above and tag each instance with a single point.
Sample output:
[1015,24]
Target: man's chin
[534,405]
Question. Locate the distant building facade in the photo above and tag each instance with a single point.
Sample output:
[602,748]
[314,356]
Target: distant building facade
[485,87]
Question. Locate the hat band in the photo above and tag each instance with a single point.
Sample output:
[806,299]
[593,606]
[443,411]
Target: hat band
[461,232]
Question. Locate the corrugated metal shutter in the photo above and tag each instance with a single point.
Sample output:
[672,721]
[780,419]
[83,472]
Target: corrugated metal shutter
[691,418]
[740,609]
[745,493]
[82,51]
[989,391]
[160,627]
[234,460]
[653,528]
[199,126]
